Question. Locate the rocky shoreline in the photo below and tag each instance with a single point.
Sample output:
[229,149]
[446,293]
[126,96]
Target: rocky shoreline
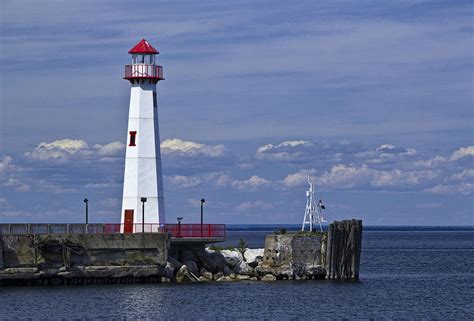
[233,265]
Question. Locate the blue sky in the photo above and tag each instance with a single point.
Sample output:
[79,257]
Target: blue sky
[373,100]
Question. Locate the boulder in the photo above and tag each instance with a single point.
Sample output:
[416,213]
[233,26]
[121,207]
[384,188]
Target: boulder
[204,279]
[315,271]
[170,270]
[218,275]
[224,279]
[207,275]
[192,267]
[268,277]
[232,257]
[243,268]
[253,256]
[227,271]
[213,261]
[240,277]
[183,275]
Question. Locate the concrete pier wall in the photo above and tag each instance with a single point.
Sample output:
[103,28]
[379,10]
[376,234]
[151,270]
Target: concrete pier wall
[67,258]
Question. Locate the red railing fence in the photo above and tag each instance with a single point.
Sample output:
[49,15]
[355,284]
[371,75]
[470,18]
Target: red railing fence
[176,230]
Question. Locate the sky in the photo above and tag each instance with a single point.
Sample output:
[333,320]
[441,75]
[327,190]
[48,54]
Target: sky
[373,100]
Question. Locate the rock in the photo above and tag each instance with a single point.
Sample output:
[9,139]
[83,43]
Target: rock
[268,277]
[192,267]
[170,270]
[224,279]
[207,275]
[227,271]
[183,275]
[253,256]
[164,279]
[244,268]
[203,270]
[213,261]
[218,275]
[232,257]
[316,271]
[254,278]
[203,279]
[240,277]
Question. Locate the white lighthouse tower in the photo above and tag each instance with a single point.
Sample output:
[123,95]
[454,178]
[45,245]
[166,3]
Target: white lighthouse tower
[143,177]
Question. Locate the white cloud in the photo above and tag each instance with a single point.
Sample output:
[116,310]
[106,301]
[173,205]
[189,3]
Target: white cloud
[5,164]
[465,174]
[352,176]
[16,184]
[182,181]
[386,152]
[250,184]
[455,156]
[190,148]
[462,188]
[245,206]
[218,179]
[462,152]
[66,149]
[287,150]
[299,178]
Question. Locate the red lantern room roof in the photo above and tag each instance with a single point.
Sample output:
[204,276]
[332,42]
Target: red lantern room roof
[143,47]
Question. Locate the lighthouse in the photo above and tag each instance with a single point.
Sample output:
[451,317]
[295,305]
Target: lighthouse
[143,199]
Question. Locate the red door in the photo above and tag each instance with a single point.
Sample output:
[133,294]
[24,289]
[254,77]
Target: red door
[128,224]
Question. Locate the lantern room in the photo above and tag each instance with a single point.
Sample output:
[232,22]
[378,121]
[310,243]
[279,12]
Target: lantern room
[143,64]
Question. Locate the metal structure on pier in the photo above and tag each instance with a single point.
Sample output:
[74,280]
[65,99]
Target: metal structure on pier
[313,212]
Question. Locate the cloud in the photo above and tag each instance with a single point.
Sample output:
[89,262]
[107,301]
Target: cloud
[287,150]
[181,147]
[214,179]
[5,164]
[245,206]
[251,184]
[462,152]
[465,174]
[462,188]
[66,149]
[299,178]
[16,184]
[8,175]
[457,156]
[347,176]
[386,152]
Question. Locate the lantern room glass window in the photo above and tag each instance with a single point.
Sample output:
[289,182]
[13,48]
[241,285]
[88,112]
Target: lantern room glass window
[143,59]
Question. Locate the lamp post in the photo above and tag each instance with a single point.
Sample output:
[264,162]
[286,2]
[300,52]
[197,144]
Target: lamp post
[143,199]
[86,201]
[179,225]
[202,213]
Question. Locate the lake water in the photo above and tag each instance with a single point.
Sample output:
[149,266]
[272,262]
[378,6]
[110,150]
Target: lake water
[406,273]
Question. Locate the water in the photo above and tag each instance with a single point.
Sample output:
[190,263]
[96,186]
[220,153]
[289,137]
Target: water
[406,273]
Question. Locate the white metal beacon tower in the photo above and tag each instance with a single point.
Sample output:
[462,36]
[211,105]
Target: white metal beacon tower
[313,213]
[143,202]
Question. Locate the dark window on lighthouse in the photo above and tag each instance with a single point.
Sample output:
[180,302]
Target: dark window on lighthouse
[132,138]
[154,100]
